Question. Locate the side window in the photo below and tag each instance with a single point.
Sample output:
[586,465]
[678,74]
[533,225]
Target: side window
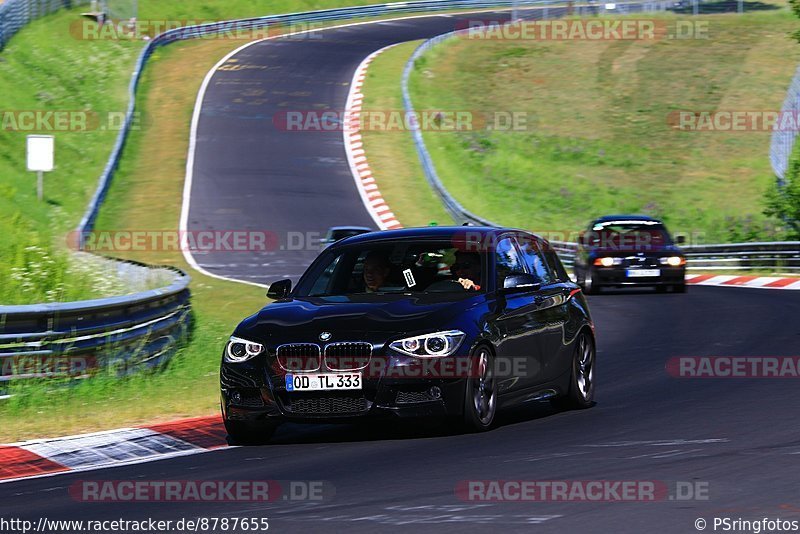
[322,285]
[556,266]
[534,258]
[507,259]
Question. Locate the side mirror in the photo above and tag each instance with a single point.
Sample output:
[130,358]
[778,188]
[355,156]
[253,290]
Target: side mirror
[680,240]
[520,283]
[279,290]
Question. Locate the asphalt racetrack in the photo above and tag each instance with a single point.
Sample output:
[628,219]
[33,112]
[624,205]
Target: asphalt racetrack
[251,174]
[733,442]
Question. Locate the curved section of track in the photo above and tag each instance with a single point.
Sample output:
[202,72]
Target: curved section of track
[735,437]
[250,174]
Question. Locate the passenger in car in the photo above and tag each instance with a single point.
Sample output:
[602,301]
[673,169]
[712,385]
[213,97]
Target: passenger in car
[467,270]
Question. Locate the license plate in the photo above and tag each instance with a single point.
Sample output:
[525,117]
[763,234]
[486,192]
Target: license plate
[643,273]
[323,382]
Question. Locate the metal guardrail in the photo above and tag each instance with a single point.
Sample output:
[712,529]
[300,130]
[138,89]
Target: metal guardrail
[138,331]
[776,256]
[451,205]
[325,15]
[15,14]
[782,141]
[118,334]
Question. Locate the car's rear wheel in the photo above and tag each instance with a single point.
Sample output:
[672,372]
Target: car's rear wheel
[679,288]
[480,402]
[581,385]
[247,433]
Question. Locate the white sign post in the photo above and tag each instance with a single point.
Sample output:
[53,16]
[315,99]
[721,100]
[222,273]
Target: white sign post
[41,158]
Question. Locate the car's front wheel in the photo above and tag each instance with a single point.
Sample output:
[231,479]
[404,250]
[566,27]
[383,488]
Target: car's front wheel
[586,281]
[480,402]
[581,385]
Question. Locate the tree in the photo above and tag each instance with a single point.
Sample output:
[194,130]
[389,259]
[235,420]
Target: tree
[783,202]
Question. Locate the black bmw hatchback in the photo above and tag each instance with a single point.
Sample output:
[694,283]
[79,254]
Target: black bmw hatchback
[455,322]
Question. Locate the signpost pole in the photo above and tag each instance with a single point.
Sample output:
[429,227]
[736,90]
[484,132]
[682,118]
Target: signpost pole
[41,159]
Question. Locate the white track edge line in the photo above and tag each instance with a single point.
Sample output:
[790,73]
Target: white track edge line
[349,142]
[126,463]
[187,185]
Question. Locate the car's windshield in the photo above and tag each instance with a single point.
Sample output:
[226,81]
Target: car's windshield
[402,266]
[628,234]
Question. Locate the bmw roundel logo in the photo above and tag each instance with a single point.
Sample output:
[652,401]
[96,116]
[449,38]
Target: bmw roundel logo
[325,336]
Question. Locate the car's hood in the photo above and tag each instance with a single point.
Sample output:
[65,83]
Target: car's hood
[352,317]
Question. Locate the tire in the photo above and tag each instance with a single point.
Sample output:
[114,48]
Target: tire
[581,381]
[480,393]
[245,433]
[586,281]
[679,288]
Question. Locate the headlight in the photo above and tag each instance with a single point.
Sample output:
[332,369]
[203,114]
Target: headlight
[607,261]
[434,345]
[240,350]
[673,261]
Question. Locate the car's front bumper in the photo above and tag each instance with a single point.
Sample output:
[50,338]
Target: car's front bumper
[254,391]
[619,276]
[420,399]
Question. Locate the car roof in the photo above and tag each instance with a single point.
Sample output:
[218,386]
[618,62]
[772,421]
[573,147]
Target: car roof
[425,232]
[623,217]
[336,228]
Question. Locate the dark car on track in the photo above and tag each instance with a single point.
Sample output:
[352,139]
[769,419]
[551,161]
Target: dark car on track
[425,322]
[337,233]
[629,250]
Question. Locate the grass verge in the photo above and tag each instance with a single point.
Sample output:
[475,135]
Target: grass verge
[145,194]
[602,141]
[43,69]
[391,152]
[48,67]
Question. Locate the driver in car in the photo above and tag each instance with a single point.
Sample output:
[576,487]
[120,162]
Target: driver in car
[466,270]
[376,271]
